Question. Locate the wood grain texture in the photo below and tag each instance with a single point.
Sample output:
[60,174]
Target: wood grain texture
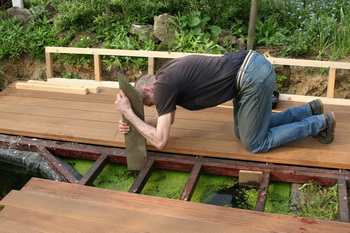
[135,143]
[92,119]
[49,206]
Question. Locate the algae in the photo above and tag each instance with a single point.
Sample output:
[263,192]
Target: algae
[166,183]
[113,176]
[278,198]
[209,185]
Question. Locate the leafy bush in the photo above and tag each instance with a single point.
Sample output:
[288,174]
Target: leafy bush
[12,39]
[40,34]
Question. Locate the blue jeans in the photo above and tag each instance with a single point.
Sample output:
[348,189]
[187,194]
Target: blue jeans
[254,123]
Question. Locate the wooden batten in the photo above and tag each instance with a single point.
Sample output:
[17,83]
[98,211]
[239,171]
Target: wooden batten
[90,88]
[52,88]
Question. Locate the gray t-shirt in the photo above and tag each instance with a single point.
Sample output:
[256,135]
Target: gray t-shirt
[197,82]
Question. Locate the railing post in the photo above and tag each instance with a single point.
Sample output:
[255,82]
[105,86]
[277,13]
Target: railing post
[151,65]
[97,67]
[331,83]
[49,65]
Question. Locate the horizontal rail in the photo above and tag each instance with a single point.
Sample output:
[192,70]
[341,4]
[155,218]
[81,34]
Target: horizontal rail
[151,55]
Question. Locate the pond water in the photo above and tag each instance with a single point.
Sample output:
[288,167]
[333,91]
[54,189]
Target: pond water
[13,177]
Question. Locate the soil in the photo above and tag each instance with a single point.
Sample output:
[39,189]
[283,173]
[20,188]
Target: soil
[303,80]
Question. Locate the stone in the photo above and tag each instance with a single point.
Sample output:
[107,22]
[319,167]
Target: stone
[240,44]
[163,29]
[143,31]
[24,16]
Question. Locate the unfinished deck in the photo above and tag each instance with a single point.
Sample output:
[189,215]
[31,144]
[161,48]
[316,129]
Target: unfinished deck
[49,206]
[92,119]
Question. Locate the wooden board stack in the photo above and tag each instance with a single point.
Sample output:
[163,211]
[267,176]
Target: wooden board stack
[72,86]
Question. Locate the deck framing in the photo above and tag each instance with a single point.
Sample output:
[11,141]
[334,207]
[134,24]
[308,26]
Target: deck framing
[196,165]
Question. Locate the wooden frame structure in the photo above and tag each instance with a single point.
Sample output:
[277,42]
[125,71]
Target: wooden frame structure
[152,55]
[196,166]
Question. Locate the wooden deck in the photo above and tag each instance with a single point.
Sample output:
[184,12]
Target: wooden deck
[49,206]
[92,119]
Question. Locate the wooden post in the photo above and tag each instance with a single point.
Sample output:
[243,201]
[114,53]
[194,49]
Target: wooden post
[17,3]
[135,143]
[151,65]
[331,83]
[97,67]
[252,24]
[49,65]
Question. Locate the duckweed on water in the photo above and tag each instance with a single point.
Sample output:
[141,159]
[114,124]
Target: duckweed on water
[166,183]
[113,176]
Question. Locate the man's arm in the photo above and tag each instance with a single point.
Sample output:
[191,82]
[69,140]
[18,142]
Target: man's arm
[157,136]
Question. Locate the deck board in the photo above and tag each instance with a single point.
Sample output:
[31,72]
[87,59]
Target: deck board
[50,206]
[92,119]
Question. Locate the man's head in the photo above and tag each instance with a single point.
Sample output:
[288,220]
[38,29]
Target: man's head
[145,86]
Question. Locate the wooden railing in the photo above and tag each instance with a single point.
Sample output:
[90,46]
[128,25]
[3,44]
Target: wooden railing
[152,55]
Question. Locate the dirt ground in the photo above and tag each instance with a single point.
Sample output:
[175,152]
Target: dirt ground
[303,80]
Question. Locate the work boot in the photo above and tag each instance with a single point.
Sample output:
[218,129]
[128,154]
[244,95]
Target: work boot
[316,107]
[327,135]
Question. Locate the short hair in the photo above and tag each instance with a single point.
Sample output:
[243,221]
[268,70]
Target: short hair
[142,82]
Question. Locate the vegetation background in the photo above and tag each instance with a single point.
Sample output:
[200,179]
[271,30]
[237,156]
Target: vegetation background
[292,28]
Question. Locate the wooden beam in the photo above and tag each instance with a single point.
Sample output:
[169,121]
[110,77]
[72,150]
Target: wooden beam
[263,189]
[135,143]
[143,176]
[343,200]
[331,83]
[191,183]
[163,54]
[95,170]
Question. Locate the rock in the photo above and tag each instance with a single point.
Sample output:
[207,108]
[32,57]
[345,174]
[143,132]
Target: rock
[163,29]
[240,45]
[226,38]
[143,31]
[24,16]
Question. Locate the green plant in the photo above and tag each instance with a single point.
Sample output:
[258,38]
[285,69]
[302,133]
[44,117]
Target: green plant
[279,81]
[320,202]
[70,75]
[39,35]
[12,39]
[269,32]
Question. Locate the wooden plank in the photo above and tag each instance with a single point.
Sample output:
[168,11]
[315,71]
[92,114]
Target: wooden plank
[135,143]
[21,220]
[90,88]
[50,88]
[251,178]
[331,83]
[111,84]
[251,221]
[120,218]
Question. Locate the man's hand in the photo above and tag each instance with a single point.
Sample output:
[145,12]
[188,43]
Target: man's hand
[122,103]
[123,127]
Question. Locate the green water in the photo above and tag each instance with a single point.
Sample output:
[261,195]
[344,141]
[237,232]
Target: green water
[211,189]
